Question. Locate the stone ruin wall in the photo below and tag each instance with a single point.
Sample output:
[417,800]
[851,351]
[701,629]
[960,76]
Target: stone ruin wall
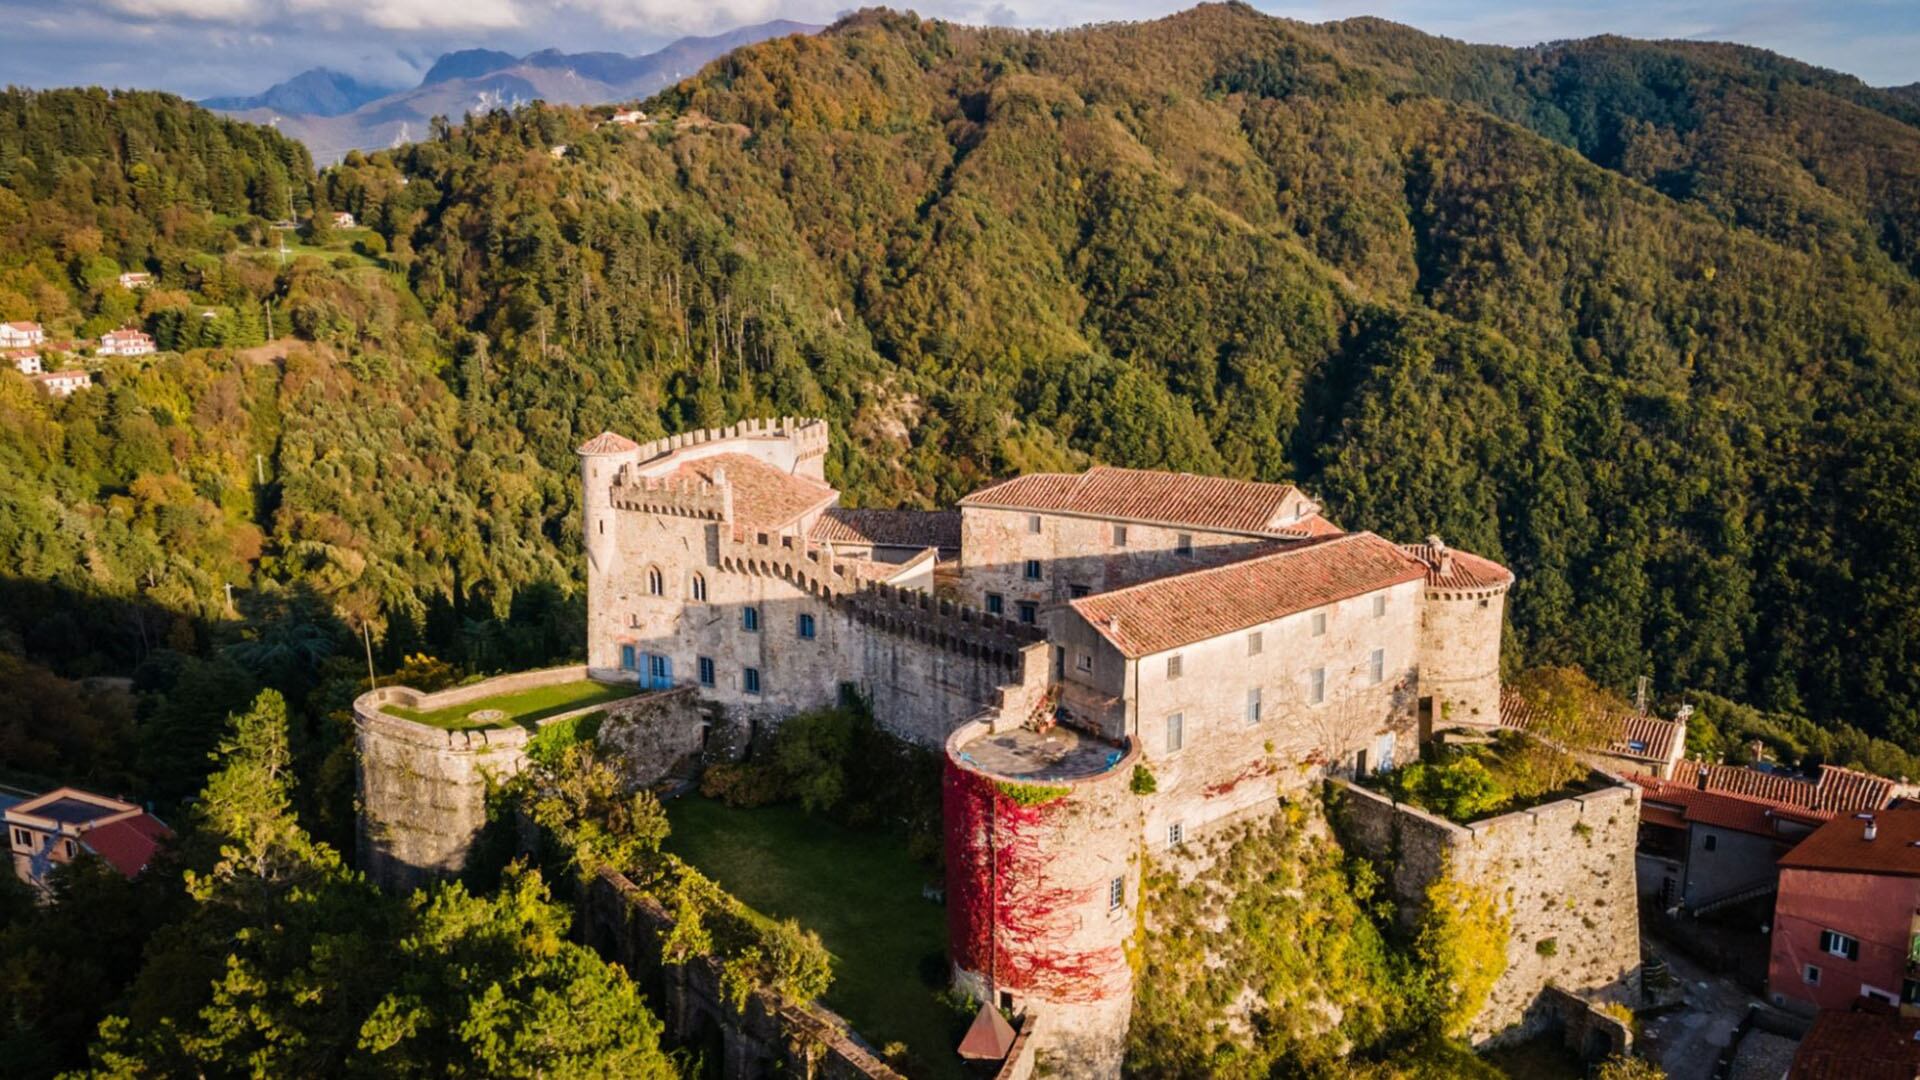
[773,1035]
[1562,871]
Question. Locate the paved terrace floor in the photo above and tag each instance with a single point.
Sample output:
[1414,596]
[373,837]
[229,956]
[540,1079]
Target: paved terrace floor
[1025,754]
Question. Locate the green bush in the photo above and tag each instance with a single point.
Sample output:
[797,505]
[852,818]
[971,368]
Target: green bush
[1031,794]
[745,785]
[1460,788]
[1143,782]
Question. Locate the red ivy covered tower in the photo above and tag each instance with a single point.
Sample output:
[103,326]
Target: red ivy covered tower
[1043,881]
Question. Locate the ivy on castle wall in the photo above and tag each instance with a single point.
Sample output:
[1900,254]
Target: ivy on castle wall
[1280,957]
[1009,915]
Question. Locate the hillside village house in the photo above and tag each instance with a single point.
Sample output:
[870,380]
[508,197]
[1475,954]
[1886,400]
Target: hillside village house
[57,827]
[1847,921]
[135,280]
[14,335]
[63,383]
[1711,835]
[1637,743]
[342,219]
[24,361]
[125,342]
[628,116]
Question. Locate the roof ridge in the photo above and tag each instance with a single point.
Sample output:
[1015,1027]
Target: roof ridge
[1292,547]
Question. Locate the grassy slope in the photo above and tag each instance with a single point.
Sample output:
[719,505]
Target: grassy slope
[859,891]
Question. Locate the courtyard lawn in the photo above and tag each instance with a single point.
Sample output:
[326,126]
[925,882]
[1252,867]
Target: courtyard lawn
[526,707]
[858,890]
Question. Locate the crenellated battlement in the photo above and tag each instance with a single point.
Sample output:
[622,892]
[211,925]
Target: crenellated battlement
[676,497]
[944,624]
[807,434]
[810,566]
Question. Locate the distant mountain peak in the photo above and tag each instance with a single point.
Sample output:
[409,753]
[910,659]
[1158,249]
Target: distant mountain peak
[314,92]
[468,64]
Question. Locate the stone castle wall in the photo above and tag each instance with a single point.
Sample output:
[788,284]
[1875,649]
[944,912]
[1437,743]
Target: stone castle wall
[772,1035]
[1562,871]
[1032,922]
[423,790]
[1460,656]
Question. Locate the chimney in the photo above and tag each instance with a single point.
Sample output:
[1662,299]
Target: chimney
[1872,829]
[1702,777]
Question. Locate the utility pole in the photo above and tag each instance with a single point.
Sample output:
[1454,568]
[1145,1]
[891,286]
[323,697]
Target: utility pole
[260,469]
[366,635]
[230,598]
[1640,696]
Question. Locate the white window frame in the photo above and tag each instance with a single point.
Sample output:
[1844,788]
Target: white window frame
[1254,705]
[1834,943]
[1376,667]
[1176,833]
[1810,974]
[1117,893]
[1317,686]
[1083,663]
[1318,624]
[1176,732]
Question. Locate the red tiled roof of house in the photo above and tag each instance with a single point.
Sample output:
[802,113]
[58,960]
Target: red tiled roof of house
[1717,808]
[1451,568]
[128,844]
[1836,790]
[1842,845]
[1145,495]
[1180,609]
[764,498]
[27,326]
[1858,1046]
[892,528]
[607,443]
[1634,735]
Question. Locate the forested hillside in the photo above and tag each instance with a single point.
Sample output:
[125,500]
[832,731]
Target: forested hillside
[1636,318]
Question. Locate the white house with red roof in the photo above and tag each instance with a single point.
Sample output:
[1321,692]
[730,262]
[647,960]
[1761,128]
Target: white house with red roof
[60,826]
[125,341]
[62,384]
[136,279]
[15,335]
[24,361]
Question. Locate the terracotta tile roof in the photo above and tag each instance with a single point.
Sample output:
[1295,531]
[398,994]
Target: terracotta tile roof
[1716,808]
[1634,735]
[892,528]
[989,1037]
[1169,612]
[1842,845]
[1145,495]
[764,498]
[1858,1046]
[128,844]
[1836,790]
[1451,568]
[607,443]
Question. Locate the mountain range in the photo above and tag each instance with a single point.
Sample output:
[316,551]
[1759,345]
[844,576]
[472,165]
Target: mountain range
[333,113]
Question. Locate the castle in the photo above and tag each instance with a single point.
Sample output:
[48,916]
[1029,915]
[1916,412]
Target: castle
[1113,663]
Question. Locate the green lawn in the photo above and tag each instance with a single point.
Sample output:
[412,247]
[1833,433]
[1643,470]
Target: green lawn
[858,890]
[522,706]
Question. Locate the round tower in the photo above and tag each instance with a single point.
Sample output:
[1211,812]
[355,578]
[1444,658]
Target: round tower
[601,459]
[1043,884]
[1464,610]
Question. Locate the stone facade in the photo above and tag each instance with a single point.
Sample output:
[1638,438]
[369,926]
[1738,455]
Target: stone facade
[1562,871]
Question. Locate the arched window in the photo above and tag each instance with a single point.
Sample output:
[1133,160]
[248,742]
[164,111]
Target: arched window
[656,582]
[699,587]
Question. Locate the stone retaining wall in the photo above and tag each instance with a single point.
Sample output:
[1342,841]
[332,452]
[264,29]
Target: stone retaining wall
[772,1035]
[1563,871]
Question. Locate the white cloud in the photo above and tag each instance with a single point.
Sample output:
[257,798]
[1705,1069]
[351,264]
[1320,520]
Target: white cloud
[413,15]
[680,16]
[208,10]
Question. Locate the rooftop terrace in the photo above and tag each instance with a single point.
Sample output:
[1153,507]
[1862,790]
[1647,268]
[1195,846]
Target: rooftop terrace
[1025,754]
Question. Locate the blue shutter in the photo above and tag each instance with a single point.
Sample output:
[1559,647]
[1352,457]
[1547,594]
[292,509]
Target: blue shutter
[626,658]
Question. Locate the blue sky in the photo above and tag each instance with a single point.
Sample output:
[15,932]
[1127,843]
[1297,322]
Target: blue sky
[204,47]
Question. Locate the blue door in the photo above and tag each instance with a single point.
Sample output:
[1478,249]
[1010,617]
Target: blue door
[626,658]
[660,672]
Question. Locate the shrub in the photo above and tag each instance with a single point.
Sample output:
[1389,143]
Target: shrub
[745,785]
[1143,782]
[810,751]
[1460,788]
[1546,946]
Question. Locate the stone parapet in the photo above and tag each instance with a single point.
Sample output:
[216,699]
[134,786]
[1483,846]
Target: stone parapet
[665,495]
[808,436]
